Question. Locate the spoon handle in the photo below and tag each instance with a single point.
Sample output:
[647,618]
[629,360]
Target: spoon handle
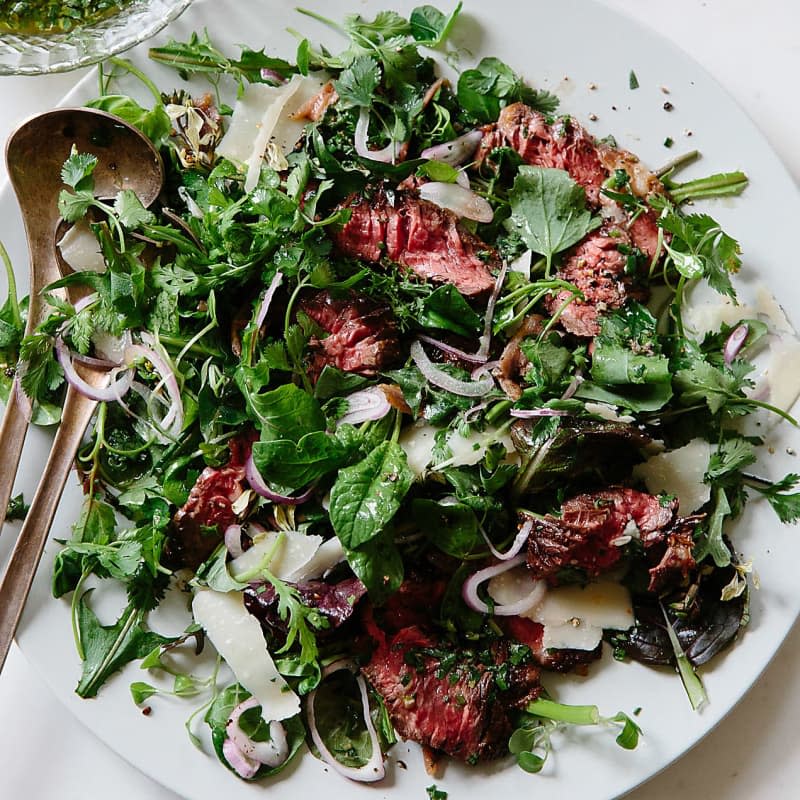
[16,582]
[12,439]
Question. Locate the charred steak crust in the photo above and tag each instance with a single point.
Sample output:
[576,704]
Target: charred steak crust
[595,265]
[363,336]
[452,705]
[429,241]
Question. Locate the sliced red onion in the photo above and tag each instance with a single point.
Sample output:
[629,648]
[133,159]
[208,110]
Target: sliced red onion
[574,384]
[472,358]
[529,413]
[272,76]
[462,202]
[484,369]
[441,379]
[734,343]
[112,393]
[519,542]
[233,540]
[244,766]
[85,302]
[172,423]
[267,299]
[486,338]
[387,155]
[260,486]
[469,590]
[367,404]
[374,769]
[100,363]
[272,753]
[456,151]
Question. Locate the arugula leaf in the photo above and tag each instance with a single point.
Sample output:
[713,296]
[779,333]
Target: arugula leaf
[710,541]
[367,495]
[108,648]
[548,210]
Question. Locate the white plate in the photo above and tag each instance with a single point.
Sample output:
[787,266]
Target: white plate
[565,46]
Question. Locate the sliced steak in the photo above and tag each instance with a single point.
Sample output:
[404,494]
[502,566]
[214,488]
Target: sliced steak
[446,699]
[596,267]
[198,526]
[362,335]
[591,529]
[671,553]
[418,235]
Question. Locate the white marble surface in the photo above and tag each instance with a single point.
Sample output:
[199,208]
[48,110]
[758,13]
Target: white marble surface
[753,49]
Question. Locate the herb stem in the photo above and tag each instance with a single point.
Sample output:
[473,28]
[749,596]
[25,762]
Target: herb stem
[561,712]
[123,63]
[12,287]
[677,163]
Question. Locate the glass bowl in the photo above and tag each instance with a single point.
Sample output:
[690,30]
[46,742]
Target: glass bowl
[29,54]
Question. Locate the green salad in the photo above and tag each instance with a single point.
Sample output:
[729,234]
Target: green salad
[403,397]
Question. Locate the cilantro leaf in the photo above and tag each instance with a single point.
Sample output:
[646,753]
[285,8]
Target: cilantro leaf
[357,84]
[73,205]
[548,210]
[77,170]
[785,505]
[132,214]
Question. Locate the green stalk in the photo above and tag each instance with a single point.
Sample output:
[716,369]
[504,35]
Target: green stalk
[691,682]
[12,287]
[677,163]
[723,184]
[123,63]
[561,712]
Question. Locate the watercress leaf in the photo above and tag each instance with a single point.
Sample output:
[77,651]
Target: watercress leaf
[548,210]
[140,691]
[628,737]
[367,495]
[430,26]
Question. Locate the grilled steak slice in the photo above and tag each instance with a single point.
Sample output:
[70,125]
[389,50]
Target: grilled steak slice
[527,631]
[591,529]
[198,526]
[597,267]
[671,552]
[455,705]
[362,335]
[418,235]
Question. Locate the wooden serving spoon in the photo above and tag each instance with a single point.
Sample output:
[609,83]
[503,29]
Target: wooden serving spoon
[35,153]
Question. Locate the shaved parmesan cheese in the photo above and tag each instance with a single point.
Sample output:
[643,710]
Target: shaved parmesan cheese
[238,638]
[679,472]
[511,587]
[255,116]
[782,374]
[522,264]
[327,556]
[419,440]
[570,636]
[292,553]
[287,131]
[81,250]
[575,617]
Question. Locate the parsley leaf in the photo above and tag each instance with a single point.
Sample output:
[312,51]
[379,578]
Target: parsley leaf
[77,170]
[430,26]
